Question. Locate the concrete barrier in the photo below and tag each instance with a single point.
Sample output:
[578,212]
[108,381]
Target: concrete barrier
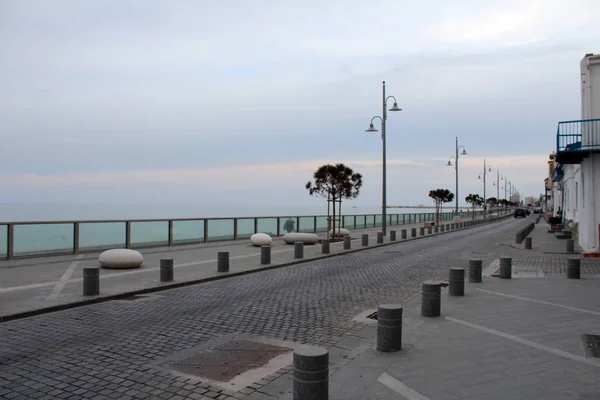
[431,300]
[223,261]
[389,327]
[166,269]
[505,268]
[347,242]
[265,255]
[573,268]
[456,286]
[91,281]
[299,250]
[311,373]
[475,271]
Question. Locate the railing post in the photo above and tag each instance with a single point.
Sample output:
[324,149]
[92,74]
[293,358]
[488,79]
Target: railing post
[10,241]
[297,224]
[354,222]
[403,219]
[127,234]
[315,224]
[205,230]
[75,237]
[278,226]
[235,228]
[255,225]
[170,233]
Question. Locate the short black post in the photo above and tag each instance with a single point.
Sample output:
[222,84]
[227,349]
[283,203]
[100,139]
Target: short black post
[166,269]
[347,242]
[422,231]
[436,229]
[413,232]
[570,246]
[325,246]
[311,373]
[475,271]
[365,239]
[223,261]
[403,234]
[505,268]
[265,255]
[429,230]
[91,281]
[389,327]
[573,268]
[456,283]
[452,226]
[431,301]
[379,237]
[392,236]
[443,228]
[528,243]
[298,249]
[447,227]
[519,238]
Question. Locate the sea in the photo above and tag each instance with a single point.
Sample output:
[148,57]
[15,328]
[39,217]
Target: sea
[53,228]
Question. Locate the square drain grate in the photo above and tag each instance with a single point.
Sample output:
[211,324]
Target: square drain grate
[226,361]
[591,345]
[372,316]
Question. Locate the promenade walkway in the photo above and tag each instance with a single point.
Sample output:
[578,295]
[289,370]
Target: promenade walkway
[46,283]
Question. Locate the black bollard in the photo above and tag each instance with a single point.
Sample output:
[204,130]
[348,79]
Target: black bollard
[311,373]
[422,231]
[528,243]
[413,232]
[325,246]
[456,286]
[431,302]
[443,228]
[475,271]
[166,269]
[365,239]
[451,226]
[298,249]
[265,255]
[91,281]
[223,261]
[436,229]
[505,268]
[389,327]
[429,230]
[570,246]
[347,242]
[573,268]
[392,236]
[403,234]
[379,237]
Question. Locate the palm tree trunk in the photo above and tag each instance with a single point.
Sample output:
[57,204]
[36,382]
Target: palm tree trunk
[334,232]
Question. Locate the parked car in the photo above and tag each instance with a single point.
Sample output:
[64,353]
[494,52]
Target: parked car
[538,210]
[520,212]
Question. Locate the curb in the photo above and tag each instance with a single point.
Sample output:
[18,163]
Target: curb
[102,299]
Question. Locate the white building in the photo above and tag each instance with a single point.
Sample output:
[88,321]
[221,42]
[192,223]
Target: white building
[577,176]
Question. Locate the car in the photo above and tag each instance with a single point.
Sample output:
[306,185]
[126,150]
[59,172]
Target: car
[537,210]
[520,212]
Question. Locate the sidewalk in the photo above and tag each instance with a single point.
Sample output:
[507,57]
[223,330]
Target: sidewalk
[52,283]
[506,339]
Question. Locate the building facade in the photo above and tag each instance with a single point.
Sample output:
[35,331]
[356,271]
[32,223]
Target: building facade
[576,177]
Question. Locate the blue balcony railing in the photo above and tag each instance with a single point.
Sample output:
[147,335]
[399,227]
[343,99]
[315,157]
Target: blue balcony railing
[575,139]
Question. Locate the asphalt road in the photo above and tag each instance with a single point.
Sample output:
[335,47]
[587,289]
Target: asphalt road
[104,351]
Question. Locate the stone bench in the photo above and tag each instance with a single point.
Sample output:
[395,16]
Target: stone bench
[121,259]
[306,238]
[261,239]
[340,232]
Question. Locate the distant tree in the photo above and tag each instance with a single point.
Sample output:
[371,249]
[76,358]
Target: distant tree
[492,202]
[440,196]
[335,182]
[474,200]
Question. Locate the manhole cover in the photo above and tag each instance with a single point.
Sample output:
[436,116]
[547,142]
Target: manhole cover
[372,316]
[224,362]
[591,345]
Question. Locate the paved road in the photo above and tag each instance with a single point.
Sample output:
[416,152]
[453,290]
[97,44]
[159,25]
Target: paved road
[105,350]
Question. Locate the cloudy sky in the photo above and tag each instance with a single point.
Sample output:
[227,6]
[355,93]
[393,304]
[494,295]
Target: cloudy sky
[206,101]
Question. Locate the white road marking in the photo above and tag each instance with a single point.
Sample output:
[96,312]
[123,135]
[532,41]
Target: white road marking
[400,388]
[541,302]
[574,357]
[64,279]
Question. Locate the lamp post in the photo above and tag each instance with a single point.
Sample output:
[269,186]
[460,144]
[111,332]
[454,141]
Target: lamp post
[383,173]
[486,169]
[464,153]
[497,184]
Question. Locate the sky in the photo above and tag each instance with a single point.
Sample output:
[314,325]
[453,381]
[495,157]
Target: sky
[231,102]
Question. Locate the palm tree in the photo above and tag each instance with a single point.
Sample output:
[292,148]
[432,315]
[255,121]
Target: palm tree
[492,202]
[439,197]
[335,182]
[474,200]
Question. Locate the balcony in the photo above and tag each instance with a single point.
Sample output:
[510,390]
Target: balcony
[576,140]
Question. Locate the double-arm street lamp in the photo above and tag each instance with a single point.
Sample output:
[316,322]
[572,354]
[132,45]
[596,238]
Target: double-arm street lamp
[464,153]
[383,131]
[486,169]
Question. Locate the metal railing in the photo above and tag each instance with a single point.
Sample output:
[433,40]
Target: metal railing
[578,135]
[42,238]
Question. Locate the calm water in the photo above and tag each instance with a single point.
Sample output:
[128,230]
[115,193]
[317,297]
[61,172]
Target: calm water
[53,237]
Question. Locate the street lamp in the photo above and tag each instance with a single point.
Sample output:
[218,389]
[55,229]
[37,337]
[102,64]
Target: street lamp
[383,131]
[486,169]
[464,153]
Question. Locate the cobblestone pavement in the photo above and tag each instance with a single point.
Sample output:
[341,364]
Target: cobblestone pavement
[107,350]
